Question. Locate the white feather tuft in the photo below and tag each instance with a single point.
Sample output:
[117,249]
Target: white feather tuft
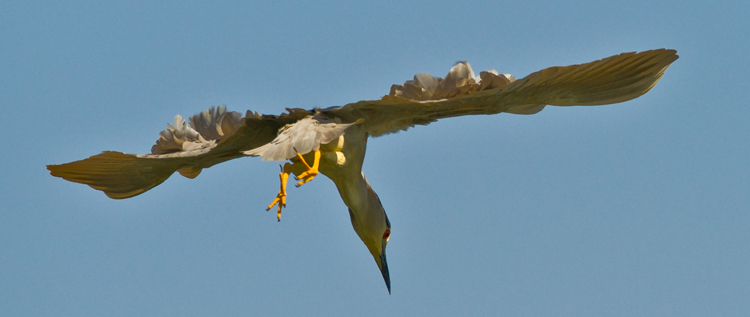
[303,136]
[459,82]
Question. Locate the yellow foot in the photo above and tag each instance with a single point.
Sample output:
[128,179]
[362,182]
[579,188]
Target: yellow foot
[308,175]
[281,196]
[311,172]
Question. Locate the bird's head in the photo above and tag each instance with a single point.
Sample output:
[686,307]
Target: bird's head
[375,231]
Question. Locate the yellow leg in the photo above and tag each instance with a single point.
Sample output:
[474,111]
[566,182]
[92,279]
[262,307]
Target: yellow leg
[311,172]
[306,176]
[281,197]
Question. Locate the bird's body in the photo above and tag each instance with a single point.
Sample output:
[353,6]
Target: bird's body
[334,139]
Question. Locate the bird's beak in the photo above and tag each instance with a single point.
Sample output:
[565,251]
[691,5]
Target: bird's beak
[384,271]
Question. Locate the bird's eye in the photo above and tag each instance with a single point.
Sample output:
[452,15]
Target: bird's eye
[387,234]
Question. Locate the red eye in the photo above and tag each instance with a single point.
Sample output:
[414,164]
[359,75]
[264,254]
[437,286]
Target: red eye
[387,234]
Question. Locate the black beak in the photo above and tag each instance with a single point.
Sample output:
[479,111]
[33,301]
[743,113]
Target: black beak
[384,271]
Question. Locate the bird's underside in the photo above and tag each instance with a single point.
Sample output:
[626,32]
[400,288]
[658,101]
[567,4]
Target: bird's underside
[215,135]
[332,141]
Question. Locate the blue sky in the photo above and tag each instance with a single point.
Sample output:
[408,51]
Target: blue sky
[634,209]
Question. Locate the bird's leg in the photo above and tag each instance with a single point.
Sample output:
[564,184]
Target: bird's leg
[306,176]
[311,172]
[281,197]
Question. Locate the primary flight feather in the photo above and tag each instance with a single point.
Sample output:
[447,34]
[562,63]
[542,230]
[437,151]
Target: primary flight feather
[332,141]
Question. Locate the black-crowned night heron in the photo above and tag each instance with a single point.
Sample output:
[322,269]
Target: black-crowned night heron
[332,141]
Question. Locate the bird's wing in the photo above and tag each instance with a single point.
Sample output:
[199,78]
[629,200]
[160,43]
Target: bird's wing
[213,136]
[426,99]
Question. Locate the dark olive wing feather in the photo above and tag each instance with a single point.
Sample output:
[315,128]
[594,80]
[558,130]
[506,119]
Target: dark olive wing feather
[121,175]
[611,80]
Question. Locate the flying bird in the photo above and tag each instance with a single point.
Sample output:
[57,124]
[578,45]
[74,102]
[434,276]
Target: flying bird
[332,141]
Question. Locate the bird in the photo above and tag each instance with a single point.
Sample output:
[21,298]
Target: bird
[332,141]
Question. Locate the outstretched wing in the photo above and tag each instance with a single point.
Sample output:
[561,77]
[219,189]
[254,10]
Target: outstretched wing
[425,99]
[213,136]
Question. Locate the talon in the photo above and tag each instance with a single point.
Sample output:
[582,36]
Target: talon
[311,172]
[280,199]
[304,177]
[281,196]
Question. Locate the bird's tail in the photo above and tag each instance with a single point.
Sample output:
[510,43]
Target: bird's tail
[120,175]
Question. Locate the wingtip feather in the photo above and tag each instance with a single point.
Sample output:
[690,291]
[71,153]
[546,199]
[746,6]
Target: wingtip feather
[117,174]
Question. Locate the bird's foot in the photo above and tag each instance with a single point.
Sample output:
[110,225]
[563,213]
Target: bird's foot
[304,177]
[311,171]
[281,196]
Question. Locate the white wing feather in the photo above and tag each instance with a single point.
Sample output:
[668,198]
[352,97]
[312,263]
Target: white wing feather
[301,137]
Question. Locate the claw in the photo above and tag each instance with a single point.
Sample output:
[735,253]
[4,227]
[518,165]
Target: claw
[281,196]
[304,177]
[311,172]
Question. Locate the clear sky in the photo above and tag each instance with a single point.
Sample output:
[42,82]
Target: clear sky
[634,209]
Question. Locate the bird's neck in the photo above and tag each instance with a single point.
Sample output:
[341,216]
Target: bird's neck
[366,212]
[357,193]
[363,202]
